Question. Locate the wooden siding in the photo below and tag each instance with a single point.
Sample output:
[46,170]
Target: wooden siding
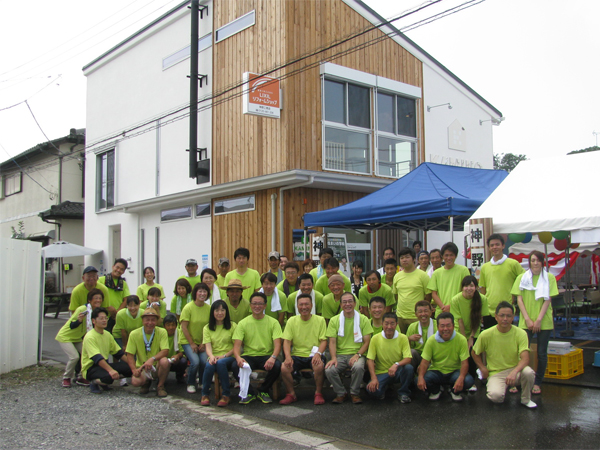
[252,229]
[247,146]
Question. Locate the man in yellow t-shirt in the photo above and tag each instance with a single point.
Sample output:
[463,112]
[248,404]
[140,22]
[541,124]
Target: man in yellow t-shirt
[306,333]
[389,361]
[446,282]
[507,356]
[445,361]
[80,292]
[260,336]
[223,271]
[250,278]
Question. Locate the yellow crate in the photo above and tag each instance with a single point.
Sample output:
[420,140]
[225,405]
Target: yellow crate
[566,366]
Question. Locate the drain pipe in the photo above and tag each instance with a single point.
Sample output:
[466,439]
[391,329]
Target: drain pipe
[311,180]
[273,222]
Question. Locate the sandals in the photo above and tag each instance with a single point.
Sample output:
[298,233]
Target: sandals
[513,390]
[536,390]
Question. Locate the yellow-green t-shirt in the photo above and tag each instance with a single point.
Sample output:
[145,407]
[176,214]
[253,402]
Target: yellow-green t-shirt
[197,317]
[80,293]
[448,356]
[182,302]
[386,352]
[95,343]
[74,335]
[257,336]
[322,284]
[364,296]
[192,280]
[447,283]
[124,321]
[251,278]
[115,298]
[172,350]
[162,308]
[460,308]
[498,281]
[305,334]
[221,340]
[220,281]
[503,350]
[291,303]
[142,291]
[413,328]
[292,287]
[241,312]
[533,306]
[137,347]
[410,287]
[345,345]
[282,302]
[331,307]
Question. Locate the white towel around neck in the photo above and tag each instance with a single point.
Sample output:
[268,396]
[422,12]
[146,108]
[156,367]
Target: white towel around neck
[357,334]
[500,261]
[542,290]
[216,295]
[88,318]
[429,330]
[395,334]
[312,296]
[275,302]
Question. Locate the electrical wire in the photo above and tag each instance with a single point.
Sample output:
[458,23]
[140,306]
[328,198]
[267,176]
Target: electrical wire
[32,95]
[25,172]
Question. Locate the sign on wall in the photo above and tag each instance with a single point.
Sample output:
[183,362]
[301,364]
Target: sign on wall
[262,95]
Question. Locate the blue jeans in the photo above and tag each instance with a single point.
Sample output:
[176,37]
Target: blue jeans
[404,376]
[222,367]
[543,337]
[434,379]
[197,363]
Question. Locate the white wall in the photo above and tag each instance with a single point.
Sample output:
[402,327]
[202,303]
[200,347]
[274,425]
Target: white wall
[479,147]
[20,302]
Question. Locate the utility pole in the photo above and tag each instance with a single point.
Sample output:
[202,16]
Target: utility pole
[194,89]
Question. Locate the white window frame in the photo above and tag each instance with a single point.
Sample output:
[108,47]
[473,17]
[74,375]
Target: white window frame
[204,205]
[181,55]
[220,202]
[101,183]
[16,190]
[178,219]
[235,26]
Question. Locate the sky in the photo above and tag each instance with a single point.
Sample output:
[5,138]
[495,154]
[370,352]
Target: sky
[536,61]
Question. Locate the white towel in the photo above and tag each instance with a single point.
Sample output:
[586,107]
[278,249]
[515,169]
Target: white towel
[497,263]
[312,296]
[395,334]
[275,302]
[244,375]
[430,271]
[357,334]
[429,331]
[88,318]
[441,339]
[542,290]
[216,295]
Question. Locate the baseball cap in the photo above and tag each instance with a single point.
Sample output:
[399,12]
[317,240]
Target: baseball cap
[89,269]
[223,261]
[274,255]
[191,261]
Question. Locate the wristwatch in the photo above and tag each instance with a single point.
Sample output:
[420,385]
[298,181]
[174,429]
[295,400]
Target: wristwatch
[359,355]
[274,356]
[397,363]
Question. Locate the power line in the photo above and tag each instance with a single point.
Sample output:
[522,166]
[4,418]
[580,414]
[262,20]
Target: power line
[40,127]
[23,171]
[34,94]
[441,15]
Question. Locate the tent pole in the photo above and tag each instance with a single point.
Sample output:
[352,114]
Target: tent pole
[305,255]
[451,228]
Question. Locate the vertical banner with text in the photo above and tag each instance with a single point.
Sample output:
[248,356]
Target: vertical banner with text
[262,95]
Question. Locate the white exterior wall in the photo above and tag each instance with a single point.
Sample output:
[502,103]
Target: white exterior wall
[125,89]
[438,90]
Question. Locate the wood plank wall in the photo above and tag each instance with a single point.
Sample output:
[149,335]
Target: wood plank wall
[252,229]
[248,146]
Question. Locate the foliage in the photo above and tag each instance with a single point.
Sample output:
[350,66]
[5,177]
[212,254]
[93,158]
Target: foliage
[585,150]
[19,232]
[507,161]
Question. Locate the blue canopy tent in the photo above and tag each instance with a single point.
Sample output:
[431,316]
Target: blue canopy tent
[431,197]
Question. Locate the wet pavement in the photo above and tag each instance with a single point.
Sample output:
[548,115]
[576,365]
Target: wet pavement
[567,416]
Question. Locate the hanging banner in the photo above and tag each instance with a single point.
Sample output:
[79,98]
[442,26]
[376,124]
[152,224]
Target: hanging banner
[261,95]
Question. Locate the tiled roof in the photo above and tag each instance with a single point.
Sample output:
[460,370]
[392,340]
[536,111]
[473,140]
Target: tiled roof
[64,210]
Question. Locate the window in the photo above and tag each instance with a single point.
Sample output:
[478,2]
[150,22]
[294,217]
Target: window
[13,184]
[347,127]
[203,209]
[234,205]
[105,180]
[235,26]
[184,212]
[203,43]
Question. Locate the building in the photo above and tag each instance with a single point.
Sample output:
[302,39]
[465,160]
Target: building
[41,199]
[360,107]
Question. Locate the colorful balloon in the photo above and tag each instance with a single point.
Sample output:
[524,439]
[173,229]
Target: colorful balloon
[574,245]
[545,237]
[560,234]
[560,244]
[527,239]
[516,237]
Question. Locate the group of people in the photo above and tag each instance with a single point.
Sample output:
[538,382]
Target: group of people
[421,321]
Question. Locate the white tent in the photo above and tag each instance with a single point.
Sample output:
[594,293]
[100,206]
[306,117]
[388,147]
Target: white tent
[548,194]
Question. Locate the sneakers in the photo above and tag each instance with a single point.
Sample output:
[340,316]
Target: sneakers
[146,387]
[529,404]
[66,382]
[264,397]
[356,399]
[434,397]
[123,382]
[223,402]
[404,399]
[105,387]
[289,398]
[95,389]
[161,392]
[205,401]
[473,389]
[82,382]
[191,389]
[456,397]
[248,399]
[319,399]
[339,399]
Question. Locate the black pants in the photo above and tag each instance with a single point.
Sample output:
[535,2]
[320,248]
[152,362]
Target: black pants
[98,372]
[258,363]
[179,367]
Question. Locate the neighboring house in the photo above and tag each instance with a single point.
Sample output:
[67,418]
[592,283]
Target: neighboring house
[356,114]
[41,199]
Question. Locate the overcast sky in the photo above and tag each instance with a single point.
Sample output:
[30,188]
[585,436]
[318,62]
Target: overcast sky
[534,60]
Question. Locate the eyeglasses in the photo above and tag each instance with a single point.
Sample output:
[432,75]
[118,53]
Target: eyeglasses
[257,304]
[505,316]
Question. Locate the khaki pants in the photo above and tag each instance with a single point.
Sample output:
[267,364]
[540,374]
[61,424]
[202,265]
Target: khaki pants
[404,323]
[496,385]
[73,351]
[358,371]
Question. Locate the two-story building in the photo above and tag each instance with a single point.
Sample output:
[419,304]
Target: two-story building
[359,107]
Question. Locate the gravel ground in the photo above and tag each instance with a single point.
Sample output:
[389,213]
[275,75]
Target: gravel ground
[36,412]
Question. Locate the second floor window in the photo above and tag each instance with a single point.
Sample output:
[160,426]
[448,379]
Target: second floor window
[105,180]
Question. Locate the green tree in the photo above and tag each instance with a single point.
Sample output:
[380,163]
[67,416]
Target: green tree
[585,150]
[507,161]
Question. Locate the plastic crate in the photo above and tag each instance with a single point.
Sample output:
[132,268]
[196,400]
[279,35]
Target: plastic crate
[566,366]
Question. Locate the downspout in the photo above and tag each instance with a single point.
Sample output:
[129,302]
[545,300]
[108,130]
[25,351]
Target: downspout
[273,222]
[310,181]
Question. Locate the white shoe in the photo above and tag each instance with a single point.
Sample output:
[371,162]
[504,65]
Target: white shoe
[473,389]
[456,397]
[479,375]
[434,397]
[123,382]
[529,404]
[191,389]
